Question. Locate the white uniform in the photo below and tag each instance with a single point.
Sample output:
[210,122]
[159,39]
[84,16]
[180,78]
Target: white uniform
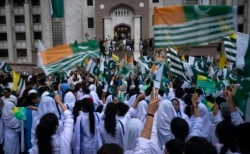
[12,127]
[61,141]
[120,130]
[83,141]
[47,105]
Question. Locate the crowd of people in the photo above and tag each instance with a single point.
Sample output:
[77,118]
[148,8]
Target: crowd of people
[79,114]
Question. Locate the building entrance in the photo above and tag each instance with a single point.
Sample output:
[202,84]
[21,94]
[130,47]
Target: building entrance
[121,32]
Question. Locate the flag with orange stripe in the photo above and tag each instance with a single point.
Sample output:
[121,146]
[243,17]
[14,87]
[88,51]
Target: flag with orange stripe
[192,24]
[65,57]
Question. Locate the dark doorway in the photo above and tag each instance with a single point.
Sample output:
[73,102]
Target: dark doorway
[121,32]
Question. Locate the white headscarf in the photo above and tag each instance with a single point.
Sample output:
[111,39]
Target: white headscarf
[206,126]
[165,114]
[8,115]
[46,105]
[133,131]
[7,109]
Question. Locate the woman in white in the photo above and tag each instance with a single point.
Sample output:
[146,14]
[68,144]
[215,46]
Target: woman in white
[49,141]
[46,105]
[86,131]
[113,130]
[133,131]
[179,112]
[12,127]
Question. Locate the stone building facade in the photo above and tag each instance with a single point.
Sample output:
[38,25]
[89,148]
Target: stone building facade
[23,22]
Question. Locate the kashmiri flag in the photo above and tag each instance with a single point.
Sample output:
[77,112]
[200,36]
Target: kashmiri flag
[243,52]
[208,85]
[230,48]
[241,95]
[57,8]
[192,24]
[64,57]
[40,48]
[176,66]
[92,67]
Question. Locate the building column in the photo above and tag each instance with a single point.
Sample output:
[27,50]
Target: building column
[137,35]
[247,17]
[107,27]
[10,30]
[46,24]
[28,31]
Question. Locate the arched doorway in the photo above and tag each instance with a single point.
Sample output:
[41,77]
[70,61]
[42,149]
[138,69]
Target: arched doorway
[122,31]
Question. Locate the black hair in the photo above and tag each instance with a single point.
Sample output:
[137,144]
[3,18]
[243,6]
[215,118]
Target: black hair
[122,108]
[188,99]
[199,145]
[242,137]
[30,98]
[99,108]
[44,130]
[111,148]
[179,92]
[76,109]
[225,133]
[7,89]
[88,106]
[85,88]
[179,128]
[175,146]
[110,118]
[43,89]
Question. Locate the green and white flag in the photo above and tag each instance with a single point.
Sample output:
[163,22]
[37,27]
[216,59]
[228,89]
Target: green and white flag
[243,53]
[67,56]
[230,48]
[222,84]
[57,8]
[241,95]
[5,67]
[175,64]
[159,78]
[208,85]
[92,67]
[192,24]
[199,66]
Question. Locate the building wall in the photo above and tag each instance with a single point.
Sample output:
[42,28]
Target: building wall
[110,5]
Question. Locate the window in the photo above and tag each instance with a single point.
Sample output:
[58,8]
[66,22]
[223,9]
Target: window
[240,28]
[190,2]
[57,31]
[2,20]
[90,2]
[19,19]
[3,36]
[240,10]
[20,36]
[18,2]
[155,1]
[4,53]
[37,35]
[2,3]
[36,19]
[21,52]
[90,22]
[35,2]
